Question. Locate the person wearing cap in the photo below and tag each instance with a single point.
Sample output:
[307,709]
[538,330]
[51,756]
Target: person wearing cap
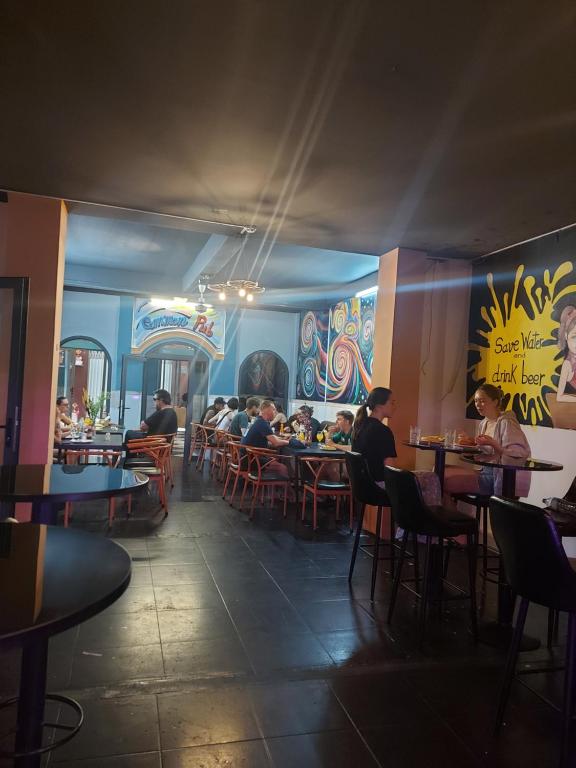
[212,410]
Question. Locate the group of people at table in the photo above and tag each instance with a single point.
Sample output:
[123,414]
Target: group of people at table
[263,424]
[497,434]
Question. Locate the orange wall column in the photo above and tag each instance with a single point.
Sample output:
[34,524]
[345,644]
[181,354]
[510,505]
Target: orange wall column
[398,330]
[32,237]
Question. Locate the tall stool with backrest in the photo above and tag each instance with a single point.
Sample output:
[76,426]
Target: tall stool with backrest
[538,570]
[434,523]
[367,493]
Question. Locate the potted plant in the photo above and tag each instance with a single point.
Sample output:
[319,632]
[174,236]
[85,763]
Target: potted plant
[93,406]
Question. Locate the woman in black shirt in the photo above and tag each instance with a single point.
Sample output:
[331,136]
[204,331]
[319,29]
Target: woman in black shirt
[371,438]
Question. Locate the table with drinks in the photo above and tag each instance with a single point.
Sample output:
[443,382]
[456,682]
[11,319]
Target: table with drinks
[449,442]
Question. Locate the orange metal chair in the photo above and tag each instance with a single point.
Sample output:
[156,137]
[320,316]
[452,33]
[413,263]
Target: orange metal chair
[317,485]
[237,467]
[262,480]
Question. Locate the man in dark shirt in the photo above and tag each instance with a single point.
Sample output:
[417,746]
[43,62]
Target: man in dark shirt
[242,419]
[261,435]
[162,422]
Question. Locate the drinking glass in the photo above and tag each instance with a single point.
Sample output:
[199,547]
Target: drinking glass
[415,434]
[449,438]
[319,436]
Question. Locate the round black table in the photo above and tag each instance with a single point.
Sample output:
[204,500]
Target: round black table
[48,485]
[79,574]
[440,451]
[509,466]
[498,634]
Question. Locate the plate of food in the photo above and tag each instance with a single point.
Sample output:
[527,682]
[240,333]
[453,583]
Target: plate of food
[432,439]
[324,447]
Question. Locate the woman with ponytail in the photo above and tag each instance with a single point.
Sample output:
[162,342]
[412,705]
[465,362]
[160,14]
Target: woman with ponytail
[371,438]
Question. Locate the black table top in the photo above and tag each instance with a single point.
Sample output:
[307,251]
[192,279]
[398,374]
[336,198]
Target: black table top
[98,443]
[80,574]
[442,447]
[65,482]
[312,451]
[510,462]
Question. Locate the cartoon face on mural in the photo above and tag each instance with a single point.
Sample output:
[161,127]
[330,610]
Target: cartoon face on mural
[520,339]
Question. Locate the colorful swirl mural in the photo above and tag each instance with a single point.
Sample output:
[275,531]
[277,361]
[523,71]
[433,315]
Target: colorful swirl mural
[336,352]
[350,353]
[312,356]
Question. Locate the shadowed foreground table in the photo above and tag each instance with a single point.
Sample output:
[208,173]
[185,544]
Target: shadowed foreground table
[63,578]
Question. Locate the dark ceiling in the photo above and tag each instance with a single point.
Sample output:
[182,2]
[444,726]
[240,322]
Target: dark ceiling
[340,124]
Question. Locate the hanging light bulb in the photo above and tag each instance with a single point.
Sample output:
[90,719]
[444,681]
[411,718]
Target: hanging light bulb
[222,296]
[249,297]
[242,292]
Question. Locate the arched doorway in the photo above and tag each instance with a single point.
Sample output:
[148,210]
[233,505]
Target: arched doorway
[264,374]
[84,363]
[177,366]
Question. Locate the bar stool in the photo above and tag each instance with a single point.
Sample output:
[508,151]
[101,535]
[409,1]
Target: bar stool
[434,523]
[538,570]
[481,504]
[366,492]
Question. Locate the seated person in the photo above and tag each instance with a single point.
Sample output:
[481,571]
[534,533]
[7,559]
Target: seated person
[63,421]
[280,418]
[303,421]
[212,410]
[341,432]
[223,418]
[242,419]
[261,435]
[162,422]
[499,433]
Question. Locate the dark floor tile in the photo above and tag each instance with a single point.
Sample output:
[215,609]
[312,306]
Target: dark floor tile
[187,596]
[384,699]
[60,663]
[430,744]
[141,575]
[361,647]
[275,615]
[243,754]
[187,573]
[335,749]
[259,589]
[167,555]
[206,717]
[324,588]
[216,656]
[144,760]
[307,706]
[114,630]
[110,665]
[243,569]
[114,727]
[272,652]
[331,615]
[197,624]
[134,599]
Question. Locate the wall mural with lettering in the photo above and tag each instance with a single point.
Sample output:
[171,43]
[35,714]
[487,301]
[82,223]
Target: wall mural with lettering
[522,331]
[312,356]
[155,321]
[336,352]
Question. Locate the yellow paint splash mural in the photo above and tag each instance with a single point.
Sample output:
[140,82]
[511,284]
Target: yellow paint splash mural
[517,347]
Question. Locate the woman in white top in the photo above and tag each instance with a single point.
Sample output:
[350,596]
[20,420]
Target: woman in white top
[499,434]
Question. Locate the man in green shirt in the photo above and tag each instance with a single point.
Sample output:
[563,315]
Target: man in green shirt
[341,432]
[242,419]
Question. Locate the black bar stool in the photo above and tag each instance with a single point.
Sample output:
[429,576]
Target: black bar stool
[366,492]
[434,523]
[538,570]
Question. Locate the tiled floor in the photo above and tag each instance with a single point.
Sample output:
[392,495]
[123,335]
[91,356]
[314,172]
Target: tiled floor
[242,644]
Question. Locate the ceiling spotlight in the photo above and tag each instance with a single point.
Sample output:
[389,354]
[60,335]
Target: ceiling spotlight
[222,296]
[242,292]
[249,297]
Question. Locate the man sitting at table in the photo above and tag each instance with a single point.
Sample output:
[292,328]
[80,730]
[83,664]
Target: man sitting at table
[162,422]
[341,432]
[242,419]
[261,435]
